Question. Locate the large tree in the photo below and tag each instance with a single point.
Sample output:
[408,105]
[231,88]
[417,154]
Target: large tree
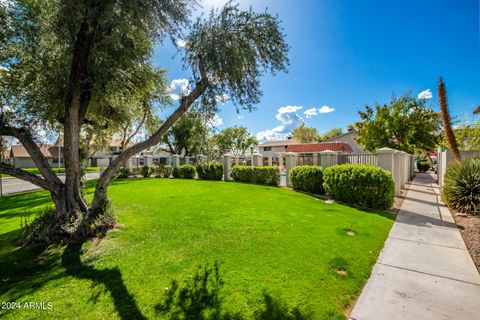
[69,62]
[235,140]
[405,124]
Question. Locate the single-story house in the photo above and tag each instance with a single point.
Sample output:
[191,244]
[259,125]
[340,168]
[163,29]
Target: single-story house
[19,157]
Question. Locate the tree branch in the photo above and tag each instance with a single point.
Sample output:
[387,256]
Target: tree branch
[34,151]
[126,140]
[27,176]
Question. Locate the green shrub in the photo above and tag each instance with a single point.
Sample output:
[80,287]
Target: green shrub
[361,185]
[184,171]
[124,173]
[461,190]
[210,171]
[423,165]
[146,172]
[166,171]
[307,178]
[162,171]
[258,175]
[136,171]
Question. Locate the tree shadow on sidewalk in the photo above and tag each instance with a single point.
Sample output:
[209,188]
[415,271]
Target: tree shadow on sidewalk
[200,298]
[111,278]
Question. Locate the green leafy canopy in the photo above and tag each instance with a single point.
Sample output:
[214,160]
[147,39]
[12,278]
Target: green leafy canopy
[405,124]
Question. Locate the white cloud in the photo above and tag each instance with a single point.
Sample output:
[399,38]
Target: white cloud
[181,43]
[215,121]
[240,117]
[289,120]
[310,112]
[426,94]
[314,111]
[325,109]
[179,88]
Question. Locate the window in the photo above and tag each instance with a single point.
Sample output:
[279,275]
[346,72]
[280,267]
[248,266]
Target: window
[267,148]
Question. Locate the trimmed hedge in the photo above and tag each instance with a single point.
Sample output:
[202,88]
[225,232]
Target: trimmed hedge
[461,190]
[307,178]
[423,165]
[361,185]
[258,175]
[185,171]
[210,171]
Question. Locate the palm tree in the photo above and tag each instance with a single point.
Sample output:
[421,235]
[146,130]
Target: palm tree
[447,125]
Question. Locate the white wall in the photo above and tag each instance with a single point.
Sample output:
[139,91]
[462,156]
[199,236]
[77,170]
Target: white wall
[445,157]
[349,138]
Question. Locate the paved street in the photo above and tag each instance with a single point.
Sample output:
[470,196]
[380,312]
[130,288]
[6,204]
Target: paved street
[424,270]
[13,185]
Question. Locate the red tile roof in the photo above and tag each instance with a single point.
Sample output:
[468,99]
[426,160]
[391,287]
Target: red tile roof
[318,147]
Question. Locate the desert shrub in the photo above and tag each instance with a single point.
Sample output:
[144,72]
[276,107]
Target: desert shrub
[167,171]
[361,185]
[307,178]
[184,171]
[461,190]
[210,171]
[124,173]
[146,172]
[423,165]
[258,175]
[136,171]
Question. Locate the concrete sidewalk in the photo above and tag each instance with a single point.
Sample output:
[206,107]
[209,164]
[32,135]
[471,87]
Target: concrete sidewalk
[424,271]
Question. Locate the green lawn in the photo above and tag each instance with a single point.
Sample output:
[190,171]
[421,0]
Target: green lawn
[278,253]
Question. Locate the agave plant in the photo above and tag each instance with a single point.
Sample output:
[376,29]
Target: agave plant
[461,190]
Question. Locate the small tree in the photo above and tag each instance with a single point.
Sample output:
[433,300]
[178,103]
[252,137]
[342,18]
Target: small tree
[331,134]
[189,135]
[404,124]
[468,136]
[237,140]
[304,134]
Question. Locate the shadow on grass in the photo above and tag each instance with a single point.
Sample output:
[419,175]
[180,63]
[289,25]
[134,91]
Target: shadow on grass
[200,298]
[111,278]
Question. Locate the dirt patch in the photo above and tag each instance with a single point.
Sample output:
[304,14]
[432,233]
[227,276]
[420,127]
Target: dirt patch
[350,233]
[470,229]
[341,272]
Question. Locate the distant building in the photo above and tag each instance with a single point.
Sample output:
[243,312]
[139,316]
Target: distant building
[349,138]
[272,148]
[19,157]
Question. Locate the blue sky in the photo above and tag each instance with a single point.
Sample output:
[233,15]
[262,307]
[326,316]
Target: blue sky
[347,54]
